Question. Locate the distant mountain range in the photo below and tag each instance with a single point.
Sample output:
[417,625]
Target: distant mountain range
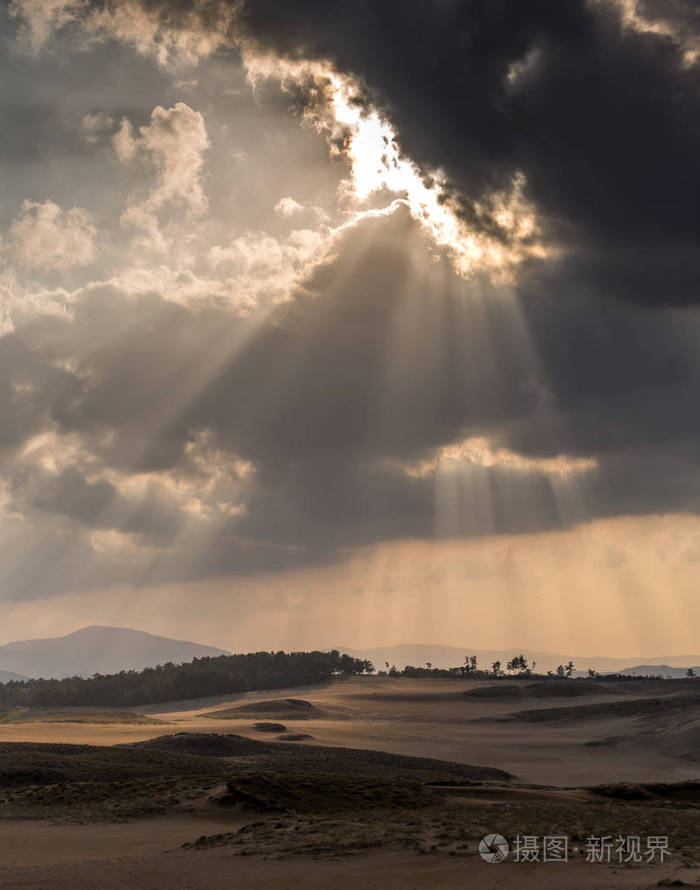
[451,656]
[7,676]
[659,670]
[96,650]
[107,650]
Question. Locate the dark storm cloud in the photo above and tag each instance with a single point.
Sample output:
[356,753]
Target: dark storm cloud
[599,116]
[602,120]
[99,505]
[620,376]
[30,386]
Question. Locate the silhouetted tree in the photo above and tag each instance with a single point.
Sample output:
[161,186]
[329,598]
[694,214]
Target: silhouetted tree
[518,664]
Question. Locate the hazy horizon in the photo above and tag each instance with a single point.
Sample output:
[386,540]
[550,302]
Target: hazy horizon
[379,647]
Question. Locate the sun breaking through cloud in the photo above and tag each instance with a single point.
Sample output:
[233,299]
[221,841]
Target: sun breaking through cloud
[287,297]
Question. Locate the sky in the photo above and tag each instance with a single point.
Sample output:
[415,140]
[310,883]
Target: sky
[323,324]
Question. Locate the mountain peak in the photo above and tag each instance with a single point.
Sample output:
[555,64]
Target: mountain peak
[98,649]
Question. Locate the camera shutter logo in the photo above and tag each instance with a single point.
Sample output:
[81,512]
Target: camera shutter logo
[493,848]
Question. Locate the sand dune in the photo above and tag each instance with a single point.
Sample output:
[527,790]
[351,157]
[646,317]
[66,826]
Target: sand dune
[228,807]
[445,719]
[290,708]
[640,707]
[400,789]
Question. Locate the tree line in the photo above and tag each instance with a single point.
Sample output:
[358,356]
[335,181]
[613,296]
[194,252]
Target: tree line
[220,675]
[518,666]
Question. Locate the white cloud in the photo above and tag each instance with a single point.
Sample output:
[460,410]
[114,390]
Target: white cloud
[40,18]
[19,305]
[95,126]
[184,287]
[124,143]
[288,207]
[42,234]
[173,144]
[183,37]
[632,15]
[478,451]
[265,267]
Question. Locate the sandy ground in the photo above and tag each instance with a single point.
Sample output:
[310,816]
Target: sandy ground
[32,843]
[383,871]
[431,719]
[425,718]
